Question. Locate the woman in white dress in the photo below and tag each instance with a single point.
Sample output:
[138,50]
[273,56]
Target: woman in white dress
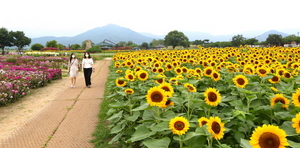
[87,65]
[73,69]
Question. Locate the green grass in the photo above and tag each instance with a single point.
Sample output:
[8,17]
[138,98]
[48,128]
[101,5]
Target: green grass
[102,133]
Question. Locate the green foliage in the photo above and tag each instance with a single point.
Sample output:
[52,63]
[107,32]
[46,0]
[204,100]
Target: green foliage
[176,38]
[94,49]
[157,42]
[274,39]
[251,41]
[52,43]
[36,46]
[237,40]
[76,46]
[60,46]
[5,38]
[145,45]
[20,40]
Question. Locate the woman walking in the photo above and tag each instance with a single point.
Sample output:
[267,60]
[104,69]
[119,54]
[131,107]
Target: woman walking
[73,69]
[87,64]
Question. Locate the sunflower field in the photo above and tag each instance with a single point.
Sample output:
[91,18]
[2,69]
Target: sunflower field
[205,97]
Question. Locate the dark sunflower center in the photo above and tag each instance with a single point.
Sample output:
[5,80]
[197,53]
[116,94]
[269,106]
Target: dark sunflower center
[215,75]
[130,77]
[275,79]
[203,122]
[178,70]
[287,75]
[190,88]
[121,82]
[216,127]
[280,100]
[128,91]
[168,102]
[143,75]
[179,125]
[298,98]
[154,70]
[156,96]
[269,140]
[160,70]
[208,72]
[166,88]
[184,70]
[262,71]
[212,97]
[241,81]
[160,80]
[169,66]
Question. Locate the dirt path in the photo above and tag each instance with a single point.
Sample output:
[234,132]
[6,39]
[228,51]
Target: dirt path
[55,116]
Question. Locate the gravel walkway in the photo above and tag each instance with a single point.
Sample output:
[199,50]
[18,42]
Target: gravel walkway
[68,121]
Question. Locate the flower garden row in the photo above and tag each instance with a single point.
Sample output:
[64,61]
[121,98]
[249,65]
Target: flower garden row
[206,97]
[20,74]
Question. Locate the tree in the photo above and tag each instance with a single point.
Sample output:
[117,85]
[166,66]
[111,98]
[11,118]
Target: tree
[94,49]
[274,39]
[251,41]
[60,46]
[20,40]
[36,46]
[237,40]
[176,38]
[5,39]
[145,45]
[289,39]
[155,42]
[197,42]
[76,46]
[52,43]
[122,44]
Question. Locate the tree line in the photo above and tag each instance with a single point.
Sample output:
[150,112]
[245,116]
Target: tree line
[13,38]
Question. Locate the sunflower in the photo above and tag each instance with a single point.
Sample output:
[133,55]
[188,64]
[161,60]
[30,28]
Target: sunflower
[161,78]
[156,96]
[168,103]
[168,88]
[202,121]
[240,81]
[199,71]
[215,76]
[184,69]
[208,71]
[280,98]
[129,91]
[296,98]
[169,66]
[130,77]
[262,71]
[120,82]
[296,123]
[142,75]
[287,75]
[119,71]
[216,127]
[160,70]
[190,87]
[248,69]
[212,96]
[274,79]
[178,70]
[179,125]
[268,136]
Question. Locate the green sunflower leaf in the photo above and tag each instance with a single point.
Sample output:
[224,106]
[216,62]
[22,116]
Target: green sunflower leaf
[157,143]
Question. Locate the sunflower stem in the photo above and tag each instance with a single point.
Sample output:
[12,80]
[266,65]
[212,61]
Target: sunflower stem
[188,112]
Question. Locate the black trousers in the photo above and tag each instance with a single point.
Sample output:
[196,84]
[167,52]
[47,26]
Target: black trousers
[87,76]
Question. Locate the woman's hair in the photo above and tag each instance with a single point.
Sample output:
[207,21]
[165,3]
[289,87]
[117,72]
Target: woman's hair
[71,56]
[88,54]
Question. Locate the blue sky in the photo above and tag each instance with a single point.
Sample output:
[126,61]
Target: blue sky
[217,17]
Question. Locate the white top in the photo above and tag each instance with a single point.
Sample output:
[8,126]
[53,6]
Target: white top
[87,63]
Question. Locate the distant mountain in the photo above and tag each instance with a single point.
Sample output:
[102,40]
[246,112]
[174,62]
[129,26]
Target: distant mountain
[265,35]
[111,32]
[116,34]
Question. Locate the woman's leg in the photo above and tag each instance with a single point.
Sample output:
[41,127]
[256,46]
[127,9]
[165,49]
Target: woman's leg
[74,81]
[85,72]
[90,70]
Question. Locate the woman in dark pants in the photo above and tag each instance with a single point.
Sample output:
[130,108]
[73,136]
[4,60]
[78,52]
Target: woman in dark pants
[87,65]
